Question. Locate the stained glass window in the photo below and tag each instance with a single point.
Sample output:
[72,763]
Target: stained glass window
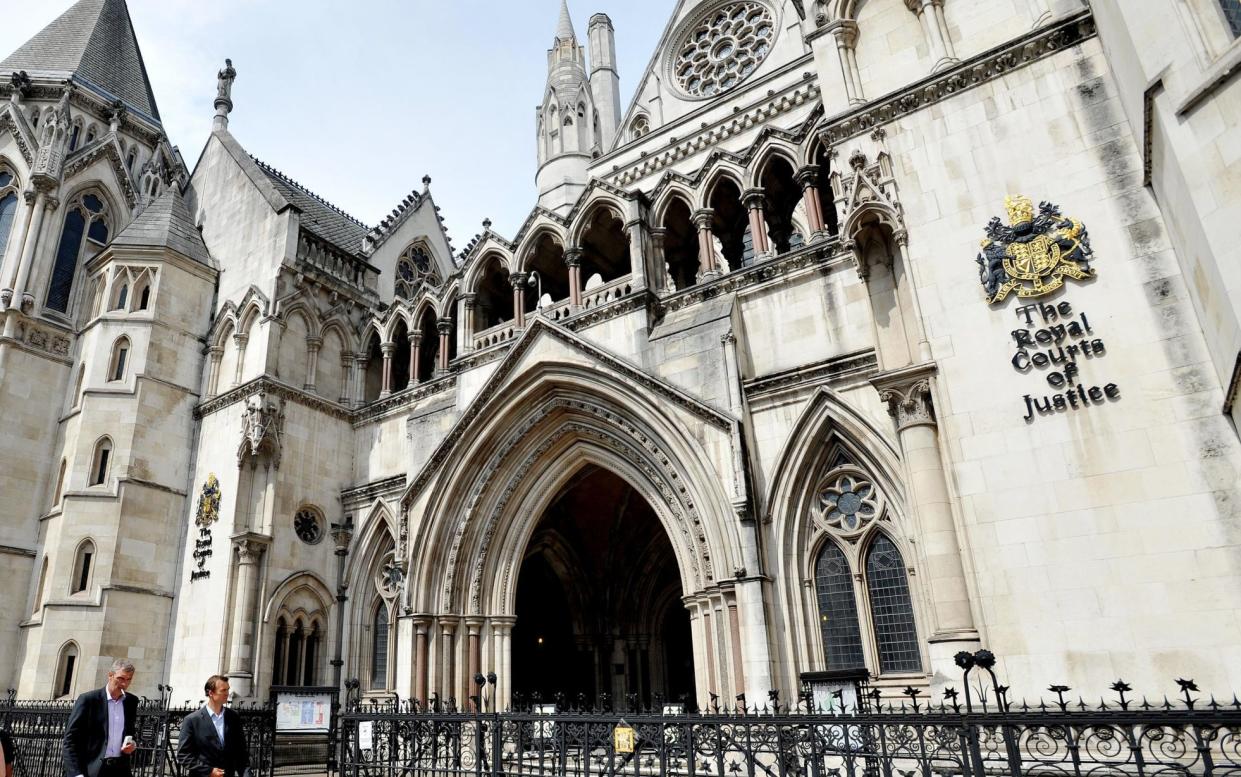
[891,608]
[838,621]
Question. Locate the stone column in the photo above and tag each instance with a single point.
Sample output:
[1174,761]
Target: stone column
[41,205]
[930,13]
[637,258]
[240,340]
[665,283]
[358,389]
[907,393]
[465,315]
[518,280]
[249,548]
[573,260]
[474,663]
[945,35]
[445,330]
[707,266]
[342,535]
[845,31]
[346,381]
[808,177]
[502,645]
[422,623]
[415,356]
[448,628]
[387,349]
[216,355]
[313,344]
[754,201]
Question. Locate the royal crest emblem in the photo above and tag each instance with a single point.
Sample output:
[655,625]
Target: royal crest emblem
[1032,255]
[208,503]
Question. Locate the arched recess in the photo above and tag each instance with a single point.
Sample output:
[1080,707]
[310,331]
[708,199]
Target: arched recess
[783,197]
[545,255]
[730,224]
[374,584]
[680,242]
[330,368]
[294,357]
[831,440]
[400,355]
[253,357]
[296,624]
[821,159]
[373,366]
[605,246]
[428,343]
[10,187]
[493,294]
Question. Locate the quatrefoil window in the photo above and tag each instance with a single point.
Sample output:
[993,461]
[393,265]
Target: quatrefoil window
[723,48]
[848,502]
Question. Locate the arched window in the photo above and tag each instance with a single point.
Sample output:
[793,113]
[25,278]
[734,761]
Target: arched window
[90,134]
[73,139]
[1232,14]
[891,608]
[83,563]
[85,233]
[129,160]
[379,647]
[8,207]
[310,675]
[100,462]
[65,666]
[122,297]
[60,483]
[838,621]
[120,353]
[144,295]
[280,652]
[293,661]
[640,126]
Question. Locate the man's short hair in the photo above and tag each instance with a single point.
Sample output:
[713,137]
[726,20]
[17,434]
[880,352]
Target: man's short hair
[122,666]
[213,681]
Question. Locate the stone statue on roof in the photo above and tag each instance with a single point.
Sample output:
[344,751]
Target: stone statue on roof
[226,76]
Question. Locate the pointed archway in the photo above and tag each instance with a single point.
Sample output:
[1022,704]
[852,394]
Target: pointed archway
[599,616]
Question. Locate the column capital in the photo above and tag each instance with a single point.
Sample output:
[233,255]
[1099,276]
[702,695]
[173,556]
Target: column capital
[387,349]
[314,343]
[907,393]
[703,217]
[448,624]
[845,31]
[807,176]
[241,338]
[414,337]
[444,326]
[573,256]
[216,351]
[517,280]
[754,198]
[250,546]
[342,534]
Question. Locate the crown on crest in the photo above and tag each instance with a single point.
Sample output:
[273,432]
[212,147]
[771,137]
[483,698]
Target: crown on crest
[1020,209]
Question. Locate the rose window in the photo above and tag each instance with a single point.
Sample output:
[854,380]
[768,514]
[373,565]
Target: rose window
[307,526]
[848,503]
[724,48]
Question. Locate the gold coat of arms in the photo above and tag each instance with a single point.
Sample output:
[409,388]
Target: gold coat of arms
[1032,254]
[208,503]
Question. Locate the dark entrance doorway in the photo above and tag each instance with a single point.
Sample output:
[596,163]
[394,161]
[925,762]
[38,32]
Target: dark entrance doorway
[599,611]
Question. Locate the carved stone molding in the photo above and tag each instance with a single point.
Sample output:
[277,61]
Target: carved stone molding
[834,370]
[250,546]
[907,393]
[262,428]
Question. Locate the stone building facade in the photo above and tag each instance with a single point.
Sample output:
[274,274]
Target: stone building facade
[785,379]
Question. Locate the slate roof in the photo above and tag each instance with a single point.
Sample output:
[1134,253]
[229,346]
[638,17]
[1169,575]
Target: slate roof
[319,217]
[166,223]
[92,43]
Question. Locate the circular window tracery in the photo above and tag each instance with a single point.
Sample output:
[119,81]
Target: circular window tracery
[308,526]
[848,502]
[723,47]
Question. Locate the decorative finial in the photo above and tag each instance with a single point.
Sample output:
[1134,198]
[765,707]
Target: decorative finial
[224,95]
[486,223]
[426,181]
[21,84]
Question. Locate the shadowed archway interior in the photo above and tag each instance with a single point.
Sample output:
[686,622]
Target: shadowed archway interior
[599,611]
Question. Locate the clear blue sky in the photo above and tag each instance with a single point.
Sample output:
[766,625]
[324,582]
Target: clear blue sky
[358,101]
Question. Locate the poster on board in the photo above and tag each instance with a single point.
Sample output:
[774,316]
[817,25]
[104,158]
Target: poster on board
[303,712]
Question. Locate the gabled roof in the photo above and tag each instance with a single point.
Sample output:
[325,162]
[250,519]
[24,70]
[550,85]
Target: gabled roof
[319,217]
[166,223]
[93,44]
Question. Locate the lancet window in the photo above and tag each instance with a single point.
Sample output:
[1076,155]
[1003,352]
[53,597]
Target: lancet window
[8,207]
[84,234]
[861,591]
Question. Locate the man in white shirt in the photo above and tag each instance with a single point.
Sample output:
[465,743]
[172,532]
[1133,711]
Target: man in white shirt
[213,742]
[99,736]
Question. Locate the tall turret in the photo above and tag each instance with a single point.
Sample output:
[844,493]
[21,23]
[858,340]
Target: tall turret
[604,80]
[569,128]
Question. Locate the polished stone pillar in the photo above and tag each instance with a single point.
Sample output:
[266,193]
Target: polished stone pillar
[445,331]
[518,280]
[708,267]
[573,260]
[387,349]
[422,623]
[415,356]
[448,628]
[754,201]
[808,177]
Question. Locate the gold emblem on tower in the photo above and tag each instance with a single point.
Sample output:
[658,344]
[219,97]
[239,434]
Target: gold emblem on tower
[1032,254]
[208,511]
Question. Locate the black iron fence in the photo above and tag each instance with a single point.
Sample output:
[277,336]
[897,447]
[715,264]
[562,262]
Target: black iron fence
[38,729]
[979,734]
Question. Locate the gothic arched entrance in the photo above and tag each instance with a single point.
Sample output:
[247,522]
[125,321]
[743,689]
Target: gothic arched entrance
[598,602]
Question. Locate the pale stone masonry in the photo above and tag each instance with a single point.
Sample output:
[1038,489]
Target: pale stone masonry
[763,429]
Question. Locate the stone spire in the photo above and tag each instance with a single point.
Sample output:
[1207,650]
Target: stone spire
[564,27]
[92,44]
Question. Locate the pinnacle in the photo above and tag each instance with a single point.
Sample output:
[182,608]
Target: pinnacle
[564,27]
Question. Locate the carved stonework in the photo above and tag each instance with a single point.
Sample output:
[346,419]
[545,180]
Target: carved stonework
[910,405]
[42,339]
[262,427]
